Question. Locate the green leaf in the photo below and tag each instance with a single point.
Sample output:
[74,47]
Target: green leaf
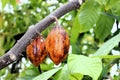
[47,75]
[84,65]
[75,30]
[111,15]
[63,74]
[45,66]
[108,56]
[112,3]
[75,49]
[107,46]
[103,27]
[25,78]
[114,8]
[86,18]
[102,2]
[28,74]
[76,76]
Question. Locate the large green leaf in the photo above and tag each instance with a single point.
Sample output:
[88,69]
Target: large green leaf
[75,76]
[103,27]
[84,65]
[64,74]
[86,18]
[47,75]
[107,46]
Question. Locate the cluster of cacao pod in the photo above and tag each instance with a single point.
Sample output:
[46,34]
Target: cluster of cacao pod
[56,46]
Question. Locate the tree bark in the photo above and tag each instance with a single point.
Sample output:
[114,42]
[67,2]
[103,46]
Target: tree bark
[15,53]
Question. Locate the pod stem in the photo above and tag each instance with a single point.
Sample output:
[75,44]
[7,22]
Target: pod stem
[39,68]
[56,20]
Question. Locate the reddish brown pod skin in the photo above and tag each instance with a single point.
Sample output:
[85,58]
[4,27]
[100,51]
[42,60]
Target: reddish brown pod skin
[57,44]
[36,51]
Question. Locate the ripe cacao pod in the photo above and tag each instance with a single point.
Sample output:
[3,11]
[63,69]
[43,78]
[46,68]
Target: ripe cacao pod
[57,44]
[36,51]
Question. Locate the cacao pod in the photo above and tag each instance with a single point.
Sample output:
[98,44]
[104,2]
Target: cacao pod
[36,51]
[57,44]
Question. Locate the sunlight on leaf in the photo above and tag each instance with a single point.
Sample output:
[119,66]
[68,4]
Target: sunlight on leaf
[63,74]
[47,75]
[85,65]
[86,18]
[76,76]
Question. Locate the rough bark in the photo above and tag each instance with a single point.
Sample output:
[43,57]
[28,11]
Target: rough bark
[15,53]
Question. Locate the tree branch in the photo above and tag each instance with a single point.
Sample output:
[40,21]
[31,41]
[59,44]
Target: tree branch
[15,53]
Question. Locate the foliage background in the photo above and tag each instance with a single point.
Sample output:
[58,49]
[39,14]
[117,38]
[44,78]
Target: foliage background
[94,36]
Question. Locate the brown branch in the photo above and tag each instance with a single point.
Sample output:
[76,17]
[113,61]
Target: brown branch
[15,53]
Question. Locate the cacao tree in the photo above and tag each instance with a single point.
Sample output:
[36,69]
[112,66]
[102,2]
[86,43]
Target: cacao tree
[91,26]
